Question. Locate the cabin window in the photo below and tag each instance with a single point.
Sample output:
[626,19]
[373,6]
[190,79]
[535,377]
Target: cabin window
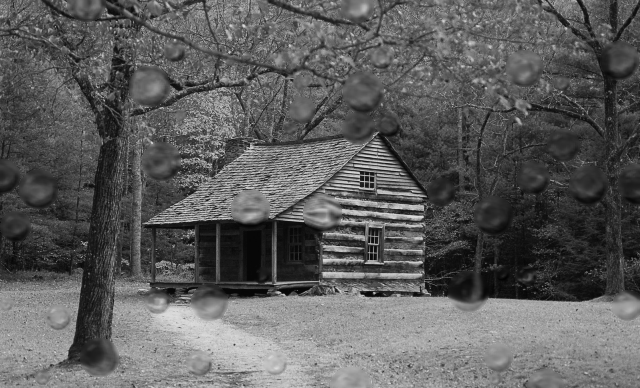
[296,239]
[367,180]
[374,244]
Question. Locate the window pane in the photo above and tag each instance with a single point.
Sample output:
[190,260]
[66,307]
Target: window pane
[373,244]
[367,180]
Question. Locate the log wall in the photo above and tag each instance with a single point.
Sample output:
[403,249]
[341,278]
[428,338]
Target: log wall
[397,203]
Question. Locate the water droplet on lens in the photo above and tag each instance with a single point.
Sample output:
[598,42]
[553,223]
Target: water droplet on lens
[495,378]
[9,176]
[363,92]
[322,212]
[250,207]
[619,60]
[174,51]
[275,363]
[302,80]
[493,215]
[626,306]
[382,57]
[157,301]
[467,291]
[99,357]
[302,109]
[441,192]
[524,68]
[351,377]
[533,177]
[498,357]
[503,273]
[58,318]
[629,182]
[209,302]
[561,83]
[15,226]
[5,303]
[545,378]
[357,10]
[389,124]
[86,10]
[155,8]
[358,127]
[563,145]
[43,377]
[149,86]
[199,363]
[161,161]
[588,184]
[38,189]
[527,276]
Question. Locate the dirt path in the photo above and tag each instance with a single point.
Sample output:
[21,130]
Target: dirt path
[236,354]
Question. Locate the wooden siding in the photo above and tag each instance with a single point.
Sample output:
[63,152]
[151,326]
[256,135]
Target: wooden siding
[397,203]
[393,183]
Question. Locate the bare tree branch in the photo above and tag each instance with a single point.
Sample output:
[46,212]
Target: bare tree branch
[628,22]
[587,21]
[316,121]
[542,108]
[198,89]
[551,9]
[315,15]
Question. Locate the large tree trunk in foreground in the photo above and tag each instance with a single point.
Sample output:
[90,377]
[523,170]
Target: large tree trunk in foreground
[95,311]
[136,204]
[613,234]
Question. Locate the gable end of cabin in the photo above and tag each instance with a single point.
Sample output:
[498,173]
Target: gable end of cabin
[379,244]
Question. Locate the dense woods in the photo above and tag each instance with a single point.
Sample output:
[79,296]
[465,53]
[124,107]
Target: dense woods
[65,107]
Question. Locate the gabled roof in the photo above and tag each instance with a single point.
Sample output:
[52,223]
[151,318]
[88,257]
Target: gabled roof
[284,173]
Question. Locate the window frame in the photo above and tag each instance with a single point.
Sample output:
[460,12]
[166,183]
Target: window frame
[381,238]
[301,244]
[373,175]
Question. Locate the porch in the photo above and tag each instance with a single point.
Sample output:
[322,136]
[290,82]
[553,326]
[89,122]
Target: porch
[272,255]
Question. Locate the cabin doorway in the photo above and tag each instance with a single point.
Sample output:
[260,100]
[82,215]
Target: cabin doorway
[252,248]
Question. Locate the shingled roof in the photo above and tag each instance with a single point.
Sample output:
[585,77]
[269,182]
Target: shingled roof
[284,172]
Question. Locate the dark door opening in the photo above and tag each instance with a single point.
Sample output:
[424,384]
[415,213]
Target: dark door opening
[252,247]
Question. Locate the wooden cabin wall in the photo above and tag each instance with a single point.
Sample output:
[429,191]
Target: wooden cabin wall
[291,271]
[231,258]
[230,253]
[397,203]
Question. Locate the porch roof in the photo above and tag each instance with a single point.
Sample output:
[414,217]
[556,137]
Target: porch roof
[285,173]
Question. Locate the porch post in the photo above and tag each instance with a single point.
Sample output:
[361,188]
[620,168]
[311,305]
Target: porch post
[217,253]
[196,277]
[153,255]
[274,253]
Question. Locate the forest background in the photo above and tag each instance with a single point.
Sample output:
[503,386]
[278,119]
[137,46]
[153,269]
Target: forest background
[460,119]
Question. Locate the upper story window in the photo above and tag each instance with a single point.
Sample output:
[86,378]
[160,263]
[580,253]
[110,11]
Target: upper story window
[296,239]
[367,180]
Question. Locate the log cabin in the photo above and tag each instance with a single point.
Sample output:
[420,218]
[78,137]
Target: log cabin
[377,246]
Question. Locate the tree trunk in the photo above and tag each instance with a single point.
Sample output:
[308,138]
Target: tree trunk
[461,123]
[613,234]
[496,259]
[612,220]
[95,310]
[119,251]
[477,267]
[136,205]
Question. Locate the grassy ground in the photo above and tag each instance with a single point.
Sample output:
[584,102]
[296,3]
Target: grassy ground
[402,342]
